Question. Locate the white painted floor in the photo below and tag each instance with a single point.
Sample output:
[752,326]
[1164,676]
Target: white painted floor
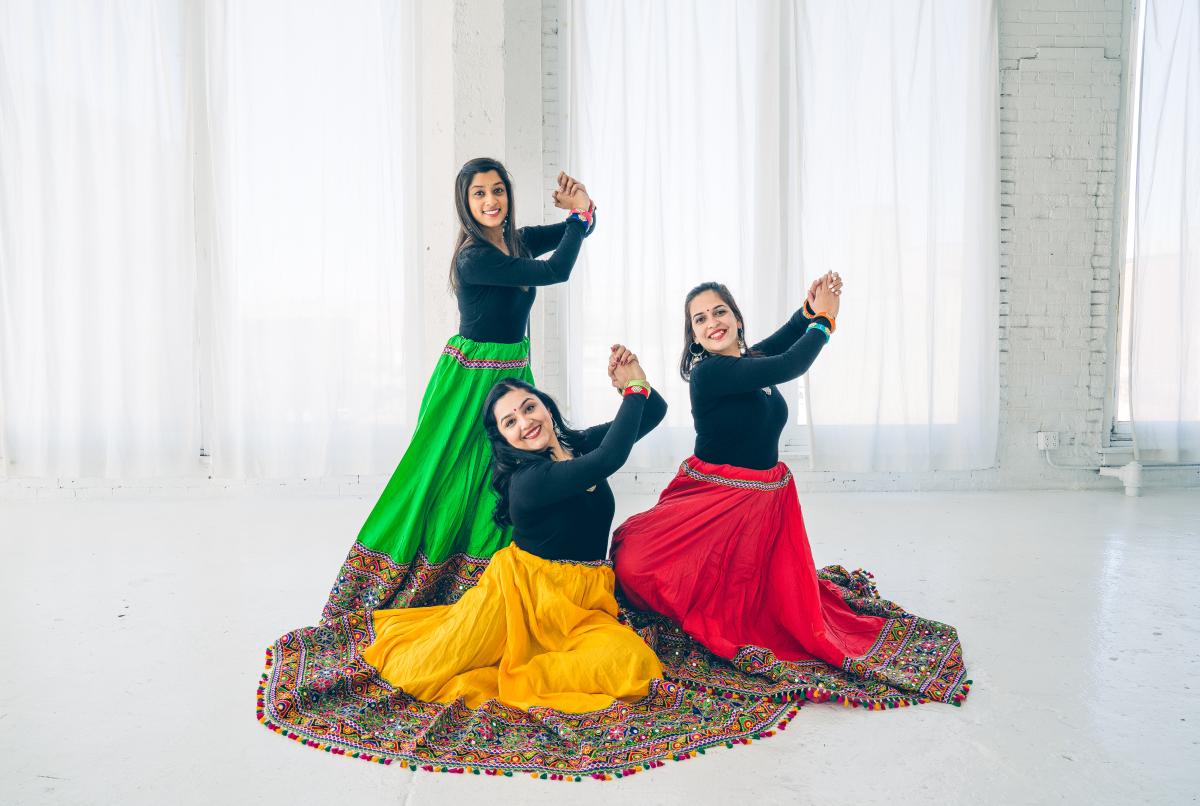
[134,629]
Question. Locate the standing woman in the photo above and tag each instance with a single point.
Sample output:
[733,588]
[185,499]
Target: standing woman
[725,556]
[431,532]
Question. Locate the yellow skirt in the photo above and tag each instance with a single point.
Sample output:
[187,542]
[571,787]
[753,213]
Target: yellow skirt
[533,632]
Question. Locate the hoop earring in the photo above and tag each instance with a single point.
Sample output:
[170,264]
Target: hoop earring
[696,350]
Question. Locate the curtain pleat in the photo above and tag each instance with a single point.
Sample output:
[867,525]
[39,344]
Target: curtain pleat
[208,237]
[1165,335]
[761,144]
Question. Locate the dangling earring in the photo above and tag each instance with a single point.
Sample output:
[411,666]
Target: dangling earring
[741,342]
[696,350]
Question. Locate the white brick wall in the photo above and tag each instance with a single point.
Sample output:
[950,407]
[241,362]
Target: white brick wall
[1061,67]
[1059,109]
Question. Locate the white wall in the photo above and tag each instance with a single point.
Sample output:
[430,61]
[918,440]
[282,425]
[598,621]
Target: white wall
[1064,67]
[1061,68]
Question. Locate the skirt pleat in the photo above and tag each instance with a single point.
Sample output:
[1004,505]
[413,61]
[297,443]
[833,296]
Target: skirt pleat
[431,532]
[531,633]
[724,556]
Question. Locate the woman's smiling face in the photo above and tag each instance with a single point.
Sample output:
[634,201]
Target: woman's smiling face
[488,199]
[714,325]
[524,421]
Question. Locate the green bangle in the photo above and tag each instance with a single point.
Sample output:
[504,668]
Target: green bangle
[635,383]
[820,327]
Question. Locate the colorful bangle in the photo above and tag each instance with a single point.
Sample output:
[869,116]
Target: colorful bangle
[832,321]
[820,327]
[583,215]
[637,387]
[806,311]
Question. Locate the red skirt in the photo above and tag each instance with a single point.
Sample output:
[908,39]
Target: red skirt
[725,556]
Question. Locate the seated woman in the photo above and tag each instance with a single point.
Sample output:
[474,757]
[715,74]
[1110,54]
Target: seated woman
[540,628]
[529,670]
[724,554]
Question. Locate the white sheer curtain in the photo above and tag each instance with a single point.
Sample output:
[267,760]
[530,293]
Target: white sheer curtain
[761,144]
[1165,343]
[97,270]
[899,185]
[311,125]
[674,125]
[205,220]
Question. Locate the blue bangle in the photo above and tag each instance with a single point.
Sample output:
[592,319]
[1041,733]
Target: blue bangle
[821,328]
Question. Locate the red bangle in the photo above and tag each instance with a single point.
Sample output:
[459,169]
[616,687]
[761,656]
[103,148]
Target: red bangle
[583,215]
[637,390]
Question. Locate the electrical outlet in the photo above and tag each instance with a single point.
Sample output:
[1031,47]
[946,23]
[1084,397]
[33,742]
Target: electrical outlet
[1047,440]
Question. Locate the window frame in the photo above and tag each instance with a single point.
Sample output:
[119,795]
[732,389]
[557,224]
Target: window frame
[1118,433]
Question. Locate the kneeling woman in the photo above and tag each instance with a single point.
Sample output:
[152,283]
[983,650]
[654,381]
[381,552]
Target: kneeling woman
[724,554]
[540,628]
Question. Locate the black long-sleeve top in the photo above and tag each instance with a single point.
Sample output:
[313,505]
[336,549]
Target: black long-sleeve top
[496,291]
[737,408]
[564,510]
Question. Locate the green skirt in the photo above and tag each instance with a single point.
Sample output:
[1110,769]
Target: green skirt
[431,532]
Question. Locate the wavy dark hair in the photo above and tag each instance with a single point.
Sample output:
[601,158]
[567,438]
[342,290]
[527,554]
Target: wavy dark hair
[470,233]
[688,360]
[505,458]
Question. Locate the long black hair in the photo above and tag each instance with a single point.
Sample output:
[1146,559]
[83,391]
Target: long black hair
[505,458]
[690,358]
[470,232]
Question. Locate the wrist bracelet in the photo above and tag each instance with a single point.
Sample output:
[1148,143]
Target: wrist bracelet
[644,391]
[583,215]
[832,320]
[820,327]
